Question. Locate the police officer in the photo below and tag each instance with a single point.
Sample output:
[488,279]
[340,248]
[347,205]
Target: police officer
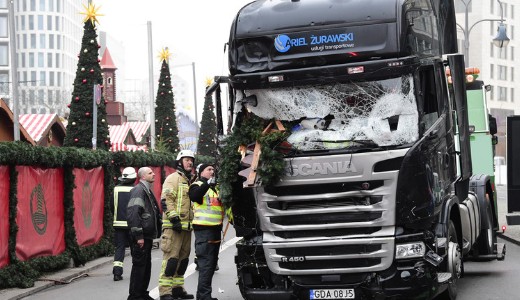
[207,225]
[143,217]
[176,229]
[122,236]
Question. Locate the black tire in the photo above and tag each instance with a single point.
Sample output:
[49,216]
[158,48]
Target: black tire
[487,239]
[451,292]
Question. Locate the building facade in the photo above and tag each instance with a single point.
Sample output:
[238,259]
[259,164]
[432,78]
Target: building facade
[499,67]
[47,40]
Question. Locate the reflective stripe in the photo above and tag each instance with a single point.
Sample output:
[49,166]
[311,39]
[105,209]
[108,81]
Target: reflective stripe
[210,212]
[118,264]
[179,280]
[117,190]
[166,282]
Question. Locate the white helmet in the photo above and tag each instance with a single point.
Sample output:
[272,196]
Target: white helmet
[128,173]
[185,153]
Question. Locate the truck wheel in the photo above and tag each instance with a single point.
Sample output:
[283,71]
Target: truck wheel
[487,238]
[455,266]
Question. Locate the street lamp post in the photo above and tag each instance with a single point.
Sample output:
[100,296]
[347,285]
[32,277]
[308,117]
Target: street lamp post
[501,39]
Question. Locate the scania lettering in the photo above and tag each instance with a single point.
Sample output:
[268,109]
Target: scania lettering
[362,108]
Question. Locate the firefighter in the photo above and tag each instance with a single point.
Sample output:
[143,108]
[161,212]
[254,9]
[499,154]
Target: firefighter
[207,224]
[176,229]
[122,236]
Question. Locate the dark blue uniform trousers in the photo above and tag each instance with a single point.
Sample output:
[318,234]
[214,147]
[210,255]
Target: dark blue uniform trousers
[207,244]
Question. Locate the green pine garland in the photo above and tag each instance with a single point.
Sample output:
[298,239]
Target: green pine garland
[271,165]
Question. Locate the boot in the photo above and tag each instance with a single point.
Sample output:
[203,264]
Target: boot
[180,293]
[118,277]
[167,297]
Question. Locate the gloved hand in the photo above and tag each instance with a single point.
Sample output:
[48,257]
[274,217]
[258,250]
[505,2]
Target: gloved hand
[212,181]
[176,223]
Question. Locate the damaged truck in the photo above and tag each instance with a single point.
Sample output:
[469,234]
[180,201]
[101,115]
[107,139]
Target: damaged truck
[347,159]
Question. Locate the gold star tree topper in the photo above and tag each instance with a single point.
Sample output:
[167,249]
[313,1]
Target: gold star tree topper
[91,13]
[209,81]
[165,55]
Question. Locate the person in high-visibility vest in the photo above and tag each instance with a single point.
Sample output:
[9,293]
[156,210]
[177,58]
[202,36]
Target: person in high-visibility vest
[207,225]
[122,235]
[176,229]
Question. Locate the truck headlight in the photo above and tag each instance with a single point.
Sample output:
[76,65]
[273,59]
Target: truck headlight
[411,250]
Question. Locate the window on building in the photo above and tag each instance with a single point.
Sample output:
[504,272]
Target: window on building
[42,5]
[22,22]
[512,11]
[3,3]
[33,79]
[24,41]
[512,74]
[51,5]
[502,93]
[49,60]
[31,22]
[33,40]
[492,50]
[57,23]
[49,22]
[502,72]
[460,7]
[51,78]
[4,82]
[58,42]
[40,22]
[58,6]
[57,60]
[49,97]
[51,41]
[31,60]
[4,54]
[43,79]
[24,5]
[3,25]
[22,55]
[33,5]
[512,32]
[512,53]
[492,93]
[41,62]
[504,7]
[42,41]
[492,6]
[512,95]
[491,71]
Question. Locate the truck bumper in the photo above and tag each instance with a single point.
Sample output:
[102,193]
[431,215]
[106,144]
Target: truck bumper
[411,280]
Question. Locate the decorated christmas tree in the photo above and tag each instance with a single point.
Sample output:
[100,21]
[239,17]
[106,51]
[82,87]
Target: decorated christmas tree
[165,121]
[207,144]
[88,74]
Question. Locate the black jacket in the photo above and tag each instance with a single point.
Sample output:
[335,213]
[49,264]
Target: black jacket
[143,213]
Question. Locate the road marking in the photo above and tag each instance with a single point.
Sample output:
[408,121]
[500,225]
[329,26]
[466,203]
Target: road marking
[154,293]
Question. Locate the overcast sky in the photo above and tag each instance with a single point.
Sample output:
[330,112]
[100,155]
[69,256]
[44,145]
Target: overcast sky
[193,30]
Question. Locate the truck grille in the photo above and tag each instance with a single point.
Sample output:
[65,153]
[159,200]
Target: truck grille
[331,223]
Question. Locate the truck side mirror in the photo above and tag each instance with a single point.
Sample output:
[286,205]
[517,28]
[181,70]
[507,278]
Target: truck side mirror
[492,124]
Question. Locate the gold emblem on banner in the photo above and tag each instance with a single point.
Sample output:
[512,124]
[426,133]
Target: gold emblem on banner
[38,208]
[86,204]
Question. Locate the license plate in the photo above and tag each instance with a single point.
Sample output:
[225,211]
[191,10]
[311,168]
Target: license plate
[333,294]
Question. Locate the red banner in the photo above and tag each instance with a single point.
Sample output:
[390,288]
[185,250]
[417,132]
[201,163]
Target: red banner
[40,212]
[4,216]
[167,171]
[88,205]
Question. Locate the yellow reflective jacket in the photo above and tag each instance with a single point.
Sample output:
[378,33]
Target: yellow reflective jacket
[175,191]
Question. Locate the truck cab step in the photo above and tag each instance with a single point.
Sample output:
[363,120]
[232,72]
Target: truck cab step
[443,277]
[501,251]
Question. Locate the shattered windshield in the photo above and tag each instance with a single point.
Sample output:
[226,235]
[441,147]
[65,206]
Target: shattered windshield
[339,116]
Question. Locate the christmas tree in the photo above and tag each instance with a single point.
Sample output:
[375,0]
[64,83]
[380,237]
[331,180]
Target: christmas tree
[88,74]
[165,121]
[207,144]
